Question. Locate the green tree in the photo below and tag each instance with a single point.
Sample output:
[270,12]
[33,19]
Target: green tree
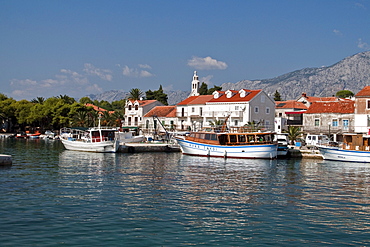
[277,96]
[293,133]
[135,94]
[85,100]
[119,105]
[157,95]
[253,126]
[39,100]
[203,89]
[215,88]
[344,94]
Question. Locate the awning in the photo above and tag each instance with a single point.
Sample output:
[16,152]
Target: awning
[295,112]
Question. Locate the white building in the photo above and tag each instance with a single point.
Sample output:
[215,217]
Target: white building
[136,109]
[238,107]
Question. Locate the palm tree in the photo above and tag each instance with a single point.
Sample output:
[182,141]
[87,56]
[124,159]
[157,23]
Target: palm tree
[293,133]
[39,100]
[253,126]
[135,94]
[216,124]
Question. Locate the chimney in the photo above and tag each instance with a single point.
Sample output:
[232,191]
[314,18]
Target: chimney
[304,95]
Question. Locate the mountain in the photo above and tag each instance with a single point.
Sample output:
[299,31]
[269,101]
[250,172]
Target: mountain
[174,97]
[351,73]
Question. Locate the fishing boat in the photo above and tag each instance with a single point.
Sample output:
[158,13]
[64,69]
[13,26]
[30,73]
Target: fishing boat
[95,139]
[235,143]
[355,148]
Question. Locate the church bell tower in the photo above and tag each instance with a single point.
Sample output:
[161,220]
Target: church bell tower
[195,85]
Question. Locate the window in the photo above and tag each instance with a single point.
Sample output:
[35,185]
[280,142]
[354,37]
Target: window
[236,108]
[262,98]
[368,104]
[345,124]
[201,111]
[192,109]
[136,107]
[236,123]
[242,138]
[256,109]
[368,120]
[334,122]
[317,122]
[267,110]
[129,107]
[182,112]
[233,138]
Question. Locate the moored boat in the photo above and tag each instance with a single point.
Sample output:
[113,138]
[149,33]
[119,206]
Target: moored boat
[244,145]
[355,148]
[96,139]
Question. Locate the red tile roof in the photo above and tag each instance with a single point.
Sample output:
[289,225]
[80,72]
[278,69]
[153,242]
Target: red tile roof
[96,108]
[162,111]
[318,99]
[236,96]
[143,102]
[290,104]
[347,106]
[196,100]
[203,99]
[364,92]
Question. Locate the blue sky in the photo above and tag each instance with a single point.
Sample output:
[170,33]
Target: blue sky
[54,47]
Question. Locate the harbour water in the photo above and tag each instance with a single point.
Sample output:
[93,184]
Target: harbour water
[54,197]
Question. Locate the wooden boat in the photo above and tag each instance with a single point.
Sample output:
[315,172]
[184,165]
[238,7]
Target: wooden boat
[355,148]
[96,139]
[231,144]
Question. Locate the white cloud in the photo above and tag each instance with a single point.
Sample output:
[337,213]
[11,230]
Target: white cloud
[104,74]
[145,66]
[362,45]
[66,82]
[360,5]
[133,72]
[206,63]
[337,32]
[207,80]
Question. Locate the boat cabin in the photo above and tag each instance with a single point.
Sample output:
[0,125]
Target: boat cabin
[356,142]
[231,138]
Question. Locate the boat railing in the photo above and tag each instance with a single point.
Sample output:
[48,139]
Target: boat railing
[236,130]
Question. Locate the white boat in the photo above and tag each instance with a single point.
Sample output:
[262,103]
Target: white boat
[129,135]
[283,141]
[100,139]
[244,145]
[355,148]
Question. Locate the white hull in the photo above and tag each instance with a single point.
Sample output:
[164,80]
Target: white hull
[100,147]
[338,154]
[263,151]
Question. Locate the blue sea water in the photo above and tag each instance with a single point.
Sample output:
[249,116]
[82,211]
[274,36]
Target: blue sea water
[54,197]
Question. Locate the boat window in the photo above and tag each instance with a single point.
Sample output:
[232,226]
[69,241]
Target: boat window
[222,139]
[251,138]
[260,138]
[213,137]
[202,136]
[208,137]
[232,138]
[241,138]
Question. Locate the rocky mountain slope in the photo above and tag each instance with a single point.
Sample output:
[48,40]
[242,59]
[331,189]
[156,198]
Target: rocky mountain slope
[351,73]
